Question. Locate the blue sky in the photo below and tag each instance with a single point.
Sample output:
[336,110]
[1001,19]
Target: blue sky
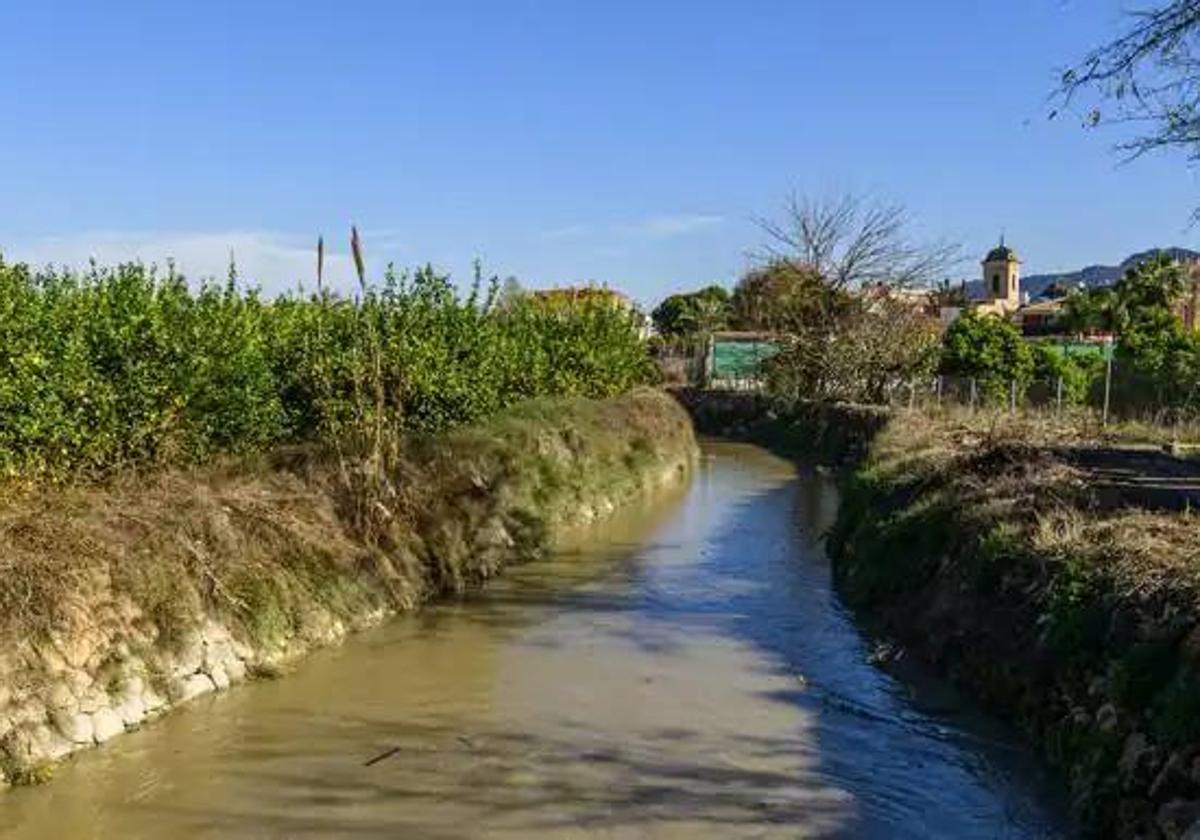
[630,143]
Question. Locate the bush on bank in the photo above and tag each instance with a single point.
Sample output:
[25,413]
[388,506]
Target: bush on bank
[126,366]
[986,549]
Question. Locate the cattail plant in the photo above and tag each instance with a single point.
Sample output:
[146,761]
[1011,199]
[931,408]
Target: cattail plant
[356,251]
[320,264]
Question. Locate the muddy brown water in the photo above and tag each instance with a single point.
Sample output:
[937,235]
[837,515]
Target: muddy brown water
[682,670]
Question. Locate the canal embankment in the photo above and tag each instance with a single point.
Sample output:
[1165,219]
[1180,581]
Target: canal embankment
[121,601]
[994,549]
[681,668]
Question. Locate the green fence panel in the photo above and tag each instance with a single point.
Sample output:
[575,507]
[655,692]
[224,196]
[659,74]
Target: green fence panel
[740,359]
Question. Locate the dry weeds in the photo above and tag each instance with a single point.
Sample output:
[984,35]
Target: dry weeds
[262,541]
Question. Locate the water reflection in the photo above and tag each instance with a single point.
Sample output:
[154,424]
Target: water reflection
[682,670]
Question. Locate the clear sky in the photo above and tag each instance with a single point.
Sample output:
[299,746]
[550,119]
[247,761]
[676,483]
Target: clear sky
[630,142]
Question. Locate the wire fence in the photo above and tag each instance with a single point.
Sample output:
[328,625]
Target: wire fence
[1113,394]
[1119,402]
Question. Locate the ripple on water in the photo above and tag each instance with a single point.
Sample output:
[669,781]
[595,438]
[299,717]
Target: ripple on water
[683,670]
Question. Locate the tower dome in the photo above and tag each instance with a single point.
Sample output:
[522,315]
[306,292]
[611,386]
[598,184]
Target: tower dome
[1002,278]
[1001,253]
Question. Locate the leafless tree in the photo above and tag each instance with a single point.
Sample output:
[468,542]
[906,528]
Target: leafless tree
[856,240]
[865,355]
[1148,76]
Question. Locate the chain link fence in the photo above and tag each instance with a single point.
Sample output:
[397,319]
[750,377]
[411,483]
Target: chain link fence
[1109,393]
[1116,395]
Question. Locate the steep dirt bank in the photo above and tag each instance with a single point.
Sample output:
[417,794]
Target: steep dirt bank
[997,550]
[994,554]
[117,603]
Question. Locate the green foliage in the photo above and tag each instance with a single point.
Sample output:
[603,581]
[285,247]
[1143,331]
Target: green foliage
[124,366]
[786,296]
[1145,297]
[1142,671]
[1160,358]
[1078,610]
[1078,372]
[705,311]
[1176,710]
[989,349]
[1089,310]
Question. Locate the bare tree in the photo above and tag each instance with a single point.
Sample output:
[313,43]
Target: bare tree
[1149,76]
[866,355]
[854,240]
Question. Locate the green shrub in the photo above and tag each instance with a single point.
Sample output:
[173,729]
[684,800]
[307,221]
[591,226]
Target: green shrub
[989,349]
[118,367]
[1080,374]
[1142,671]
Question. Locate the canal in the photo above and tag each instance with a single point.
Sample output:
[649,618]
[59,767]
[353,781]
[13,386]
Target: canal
[681,670]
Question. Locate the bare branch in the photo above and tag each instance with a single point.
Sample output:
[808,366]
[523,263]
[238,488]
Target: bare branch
[1148,76]
[854,241]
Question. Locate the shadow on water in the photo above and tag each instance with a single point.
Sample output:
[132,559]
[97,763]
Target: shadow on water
[690,674]
[516,782]
[920,760]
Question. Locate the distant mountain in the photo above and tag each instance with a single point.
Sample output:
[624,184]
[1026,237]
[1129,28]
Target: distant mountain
[1092,276]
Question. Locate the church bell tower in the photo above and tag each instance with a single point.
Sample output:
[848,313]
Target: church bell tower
[1002,278]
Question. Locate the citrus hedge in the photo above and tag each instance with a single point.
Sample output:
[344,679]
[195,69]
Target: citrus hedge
[124,366]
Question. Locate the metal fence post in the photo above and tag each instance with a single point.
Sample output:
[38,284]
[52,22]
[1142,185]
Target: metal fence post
[710,359]
[1107,385]
[1012,397]
[1058,398]
[938,386]
[973,394]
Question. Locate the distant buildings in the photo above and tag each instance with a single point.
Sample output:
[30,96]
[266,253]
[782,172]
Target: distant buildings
[570,295]
[1002,295]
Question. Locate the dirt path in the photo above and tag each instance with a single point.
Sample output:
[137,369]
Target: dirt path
[1139,477]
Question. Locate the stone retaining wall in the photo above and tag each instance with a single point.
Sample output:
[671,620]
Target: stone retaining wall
[120,667]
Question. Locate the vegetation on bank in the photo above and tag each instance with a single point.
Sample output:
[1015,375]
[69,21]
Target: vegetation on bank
[122,598]
[268,541]
[127,366]
[839,299]
[988,548]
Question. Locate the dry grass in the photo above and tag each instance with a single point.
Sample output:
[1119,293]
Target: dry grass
[163,548]
[271,544]
[989,543]
[1019,461]
[1142,552]
[1072,427]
